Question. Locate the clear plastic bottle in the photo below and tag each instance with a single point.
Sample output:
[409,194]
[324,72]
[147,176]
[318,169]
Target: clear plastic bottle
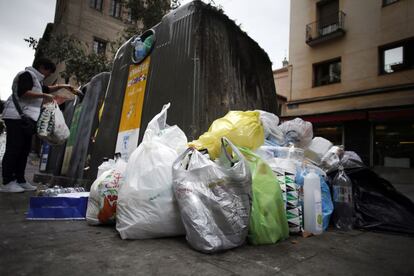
[312,203]
[139,48]
[343,215]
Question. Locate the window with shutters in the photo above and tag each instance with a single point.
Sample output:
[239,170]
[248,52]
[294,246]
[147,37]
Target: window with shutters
[96,4]
[115,8]
[329,24]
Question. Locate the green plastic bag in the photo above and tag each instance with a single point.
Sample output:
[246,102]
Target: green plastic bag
[268,223]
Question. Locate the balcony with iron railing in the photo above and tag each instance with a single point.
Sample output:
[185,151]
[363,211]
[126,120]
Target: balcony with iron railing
[325,29]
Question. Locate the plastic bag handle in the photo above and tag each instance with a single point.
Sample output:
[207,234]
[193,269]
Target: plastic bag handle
[226,142]
[181,157]
[158,123]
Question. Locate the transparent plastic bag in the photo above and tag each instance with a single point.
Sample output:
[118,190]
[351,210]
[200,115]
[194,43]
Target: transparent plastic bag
[46,121]
[51,125]
[272,131]
[343,215]
[297,132]
[214,198]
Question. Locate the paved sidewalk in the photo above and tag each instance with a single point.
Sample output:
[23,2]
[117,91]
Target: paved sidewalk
[74,248]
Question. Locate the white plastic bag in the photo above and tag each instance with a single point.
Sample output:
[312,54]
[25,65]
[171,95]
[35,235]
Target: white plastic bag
[105,166]
[51,125]
[271,129]
[146,206]
[60,131]
[317,149]
[103,195]
[3,139]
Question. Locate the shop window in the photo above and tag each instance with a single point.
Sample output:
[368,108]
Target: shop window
[331,133]
[99,46]
[115,8]
[327,72]
[96,4]
[397,56]
[394,144]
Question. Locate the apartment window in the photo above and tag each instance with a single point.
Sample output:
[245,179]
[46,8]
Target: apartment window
[115,8]
[96,4]
[397,56]
[388,2]
[328,16]
[99,46]
[327,72]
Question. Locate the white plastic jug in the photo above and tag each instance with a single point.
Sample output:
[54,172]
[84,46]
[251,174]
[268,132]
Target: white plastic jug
[312,203]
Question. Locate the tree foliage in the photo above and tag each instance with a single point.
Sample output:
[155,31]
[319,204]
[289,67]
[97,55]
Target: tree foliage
[78,62]
[150,12]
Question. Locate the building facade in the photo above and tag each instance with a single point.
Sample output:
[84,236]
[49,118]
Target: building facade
[352,75]
[95,23]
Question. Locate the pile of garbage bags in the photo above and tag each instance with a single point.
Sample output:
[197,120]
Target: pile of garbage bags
[248,178]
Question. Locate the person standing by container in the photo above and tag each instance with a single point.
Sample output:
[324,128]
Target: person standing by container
[29,94]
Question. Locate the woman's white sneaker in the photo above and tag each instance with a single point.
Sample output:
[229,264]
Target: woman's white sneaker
[11,187]
[27,186]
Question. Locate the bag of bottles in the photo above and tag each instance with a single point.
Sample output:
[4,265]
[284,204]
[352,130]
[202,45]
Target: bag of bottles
[343,214]
[46,121]
[51,125]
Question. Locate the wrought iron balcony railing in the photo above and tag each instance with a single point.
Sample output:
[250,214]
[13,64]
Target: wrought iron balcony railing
[325,29]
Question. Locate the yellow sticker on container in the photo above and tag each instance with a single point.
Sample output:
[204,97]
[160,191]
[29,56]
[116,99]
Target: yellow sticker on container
[134,96]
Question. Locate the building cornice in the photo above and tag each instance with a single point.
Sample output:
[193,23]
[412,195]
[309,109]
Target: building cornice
[377,90]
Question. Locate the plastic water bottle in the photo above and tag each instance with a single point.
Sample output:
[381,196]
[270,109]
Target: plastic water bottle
[312,203]
[343,203]
[139,48]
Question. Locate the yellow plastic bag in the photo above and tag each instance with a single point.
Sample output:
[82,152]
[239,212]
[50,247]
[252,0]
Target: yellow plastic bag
[242,128]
